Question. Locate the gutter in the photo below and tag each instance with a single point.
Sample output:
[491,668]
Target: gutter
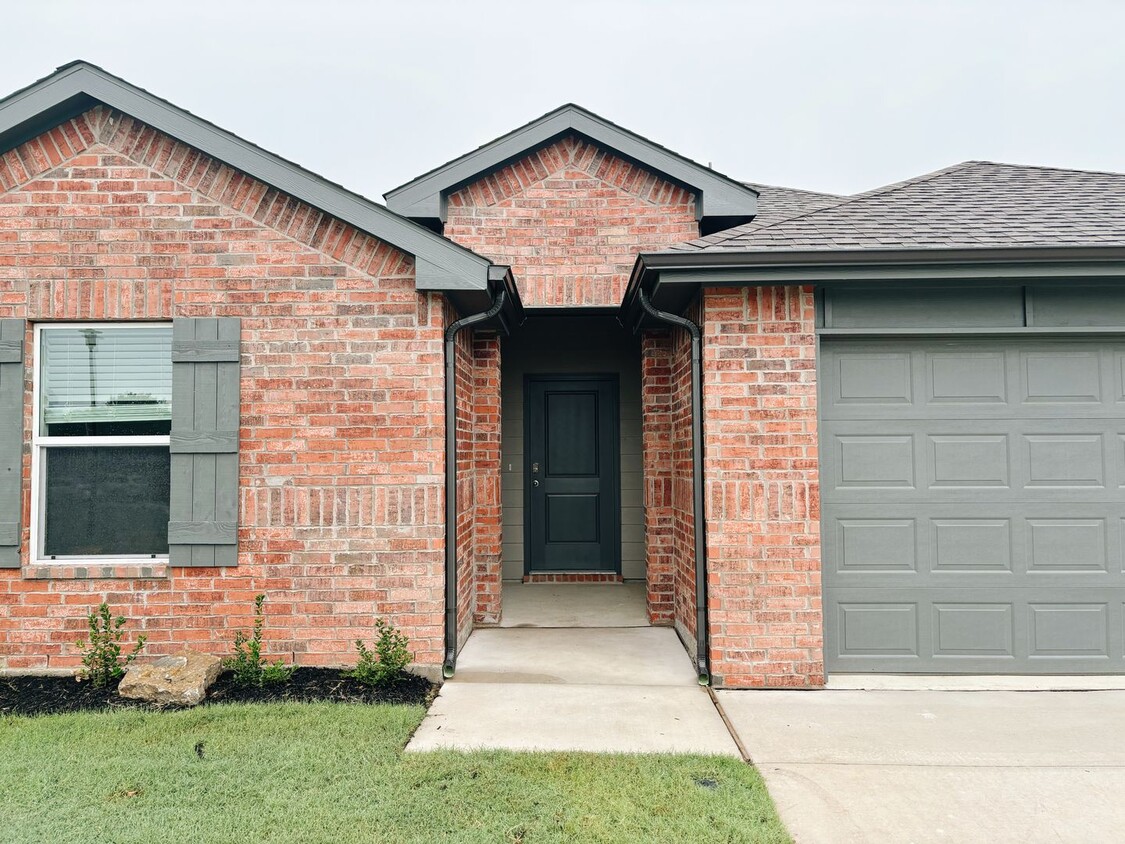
[750,259]
[699,525]
[449,664]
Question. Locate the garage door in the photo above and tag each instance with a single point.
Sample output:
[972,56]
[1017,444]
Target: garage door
[973,502]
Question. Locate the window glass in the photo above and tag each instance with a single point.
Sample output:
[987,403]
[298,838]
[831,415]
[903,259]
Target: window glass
[106,381]
[105,501]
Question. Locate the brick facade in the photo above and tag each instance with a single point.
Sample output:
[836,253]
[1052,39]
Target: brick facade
[341,497]
[341,504]
[762,496]
[570,219]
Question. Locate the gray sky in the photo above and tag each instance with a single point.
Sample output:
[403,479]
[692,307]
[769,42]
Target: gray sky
[834,96]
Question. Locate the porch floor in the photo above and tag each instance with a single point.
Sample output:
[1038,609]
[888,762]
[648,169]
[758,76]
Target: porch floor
[553,681]
[574,605]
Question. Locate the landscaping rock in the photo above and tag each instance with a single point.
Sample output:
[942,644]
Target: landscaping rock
[181,680]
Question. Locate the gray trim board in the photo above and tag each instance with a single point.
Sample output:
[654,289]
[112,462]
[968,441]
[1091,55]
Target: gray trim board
[673,279]
[717,197]
[442,264]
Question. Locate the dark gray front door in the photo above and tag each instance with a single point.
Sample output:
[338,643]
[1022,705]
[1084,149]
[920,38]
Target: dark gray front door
[974,505]
[572,473]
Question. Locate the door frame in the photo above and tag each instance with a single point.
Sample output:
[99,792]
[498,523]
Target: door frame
[614,382]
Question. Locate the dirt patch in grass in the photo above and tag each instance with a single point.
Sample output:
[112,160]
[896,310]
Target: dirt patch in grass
[54,695]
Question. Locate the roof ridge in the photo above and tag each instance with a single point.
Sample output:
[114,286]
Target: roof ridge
[1047,167]
[754,184]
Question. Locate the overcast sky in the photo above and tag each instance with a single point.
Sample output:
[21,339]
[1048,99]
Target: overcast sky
[835,96]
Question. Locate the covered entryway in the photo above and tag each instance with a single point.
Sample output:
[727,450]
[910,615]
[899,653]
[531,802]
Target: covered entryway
[571,450]
[973,509]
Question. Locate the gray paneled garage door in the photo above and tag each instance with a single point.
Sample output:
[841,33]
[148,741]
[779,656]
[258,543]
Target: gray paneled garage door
[973,498]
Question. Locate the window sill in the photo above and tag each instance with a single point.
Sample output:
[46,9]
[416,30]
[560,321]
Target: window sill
[149,570]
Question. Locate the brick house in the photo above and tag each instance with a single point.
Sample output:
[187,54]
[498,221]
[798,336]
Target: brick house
[879,433]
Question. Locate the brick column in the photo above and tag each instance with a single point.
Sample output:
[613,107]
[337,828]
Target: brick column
[656,445]
[763,508]
[486,467]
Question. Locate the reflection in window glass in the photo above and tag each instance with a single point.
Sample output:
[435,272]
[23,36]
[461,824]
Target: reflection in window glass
[106,381]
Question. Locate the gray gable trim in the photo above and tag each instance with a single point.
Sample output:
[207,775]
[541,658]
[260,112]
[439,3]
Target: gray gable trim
[76,87]
[718,198]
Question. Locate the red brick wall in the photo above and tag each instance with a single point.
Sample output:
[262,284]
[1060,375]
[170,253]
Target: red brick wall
[465,371]
[477,369]
[669,479]
[486,467]
[656,446]
[762,497]
[570,220]
[341,463]
[680,457]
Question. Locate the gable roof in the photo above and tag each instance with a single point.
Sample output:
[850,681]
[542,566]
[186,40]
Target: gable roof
[972,205]
[720,201]
[440,264]
[776,203]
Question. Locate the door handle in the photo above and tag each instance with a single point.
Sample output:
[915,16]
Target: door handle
[535,482]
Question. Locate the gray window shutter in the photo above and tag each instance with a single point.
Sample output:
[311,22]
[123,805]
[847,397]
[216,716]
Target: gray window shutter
[203,510]
[11,445]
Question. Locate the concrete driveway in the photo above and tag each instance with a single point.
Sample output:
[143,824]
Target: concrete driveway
[898,766]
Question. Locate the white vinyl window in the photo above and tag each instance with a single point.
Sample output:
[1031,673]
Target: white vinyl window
[100,464]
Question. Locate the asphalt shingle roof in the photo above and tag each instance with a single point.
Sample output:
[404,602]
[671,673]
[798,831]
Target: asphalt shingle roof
[777,203]
[976,204]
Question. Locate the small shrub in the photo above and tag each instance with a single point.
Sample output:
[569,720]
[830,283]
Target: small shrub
[247,664]
[102,662]
[384,665]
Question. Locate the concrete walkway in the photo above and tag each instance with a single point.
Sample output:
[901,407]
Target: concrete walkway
[921,766]
[618,688]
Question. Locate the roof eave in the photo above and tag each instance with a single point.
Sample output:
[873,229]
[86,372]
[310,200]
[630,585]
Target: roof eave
[672,279]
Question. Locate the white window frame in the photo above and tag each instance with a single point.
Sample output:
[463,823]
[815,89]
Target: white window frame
[40,442]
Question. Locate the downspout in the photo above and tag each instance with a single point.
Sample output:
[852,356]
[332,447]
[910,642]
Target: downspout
[449,664]
[702,636]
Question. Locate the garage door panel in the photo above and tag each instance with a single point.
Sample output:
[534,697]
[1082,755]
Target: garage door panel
[876,545]
[976,379]
[996,630]
[973,629]
[866,460]
[1060,545]
[973,510]
[1065,460]
[966,378]
[867,378]
[1068,630]
[969,460]
[972,545]
[883,544]
[1061,376]
[878,629]
[973,460]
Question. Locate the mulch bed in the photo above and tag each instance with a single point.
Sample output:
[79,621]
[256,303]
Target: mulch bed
[36,695]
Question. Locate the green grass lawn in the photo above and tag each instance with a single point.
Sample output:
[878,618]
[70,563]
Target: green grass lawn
[336,773]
